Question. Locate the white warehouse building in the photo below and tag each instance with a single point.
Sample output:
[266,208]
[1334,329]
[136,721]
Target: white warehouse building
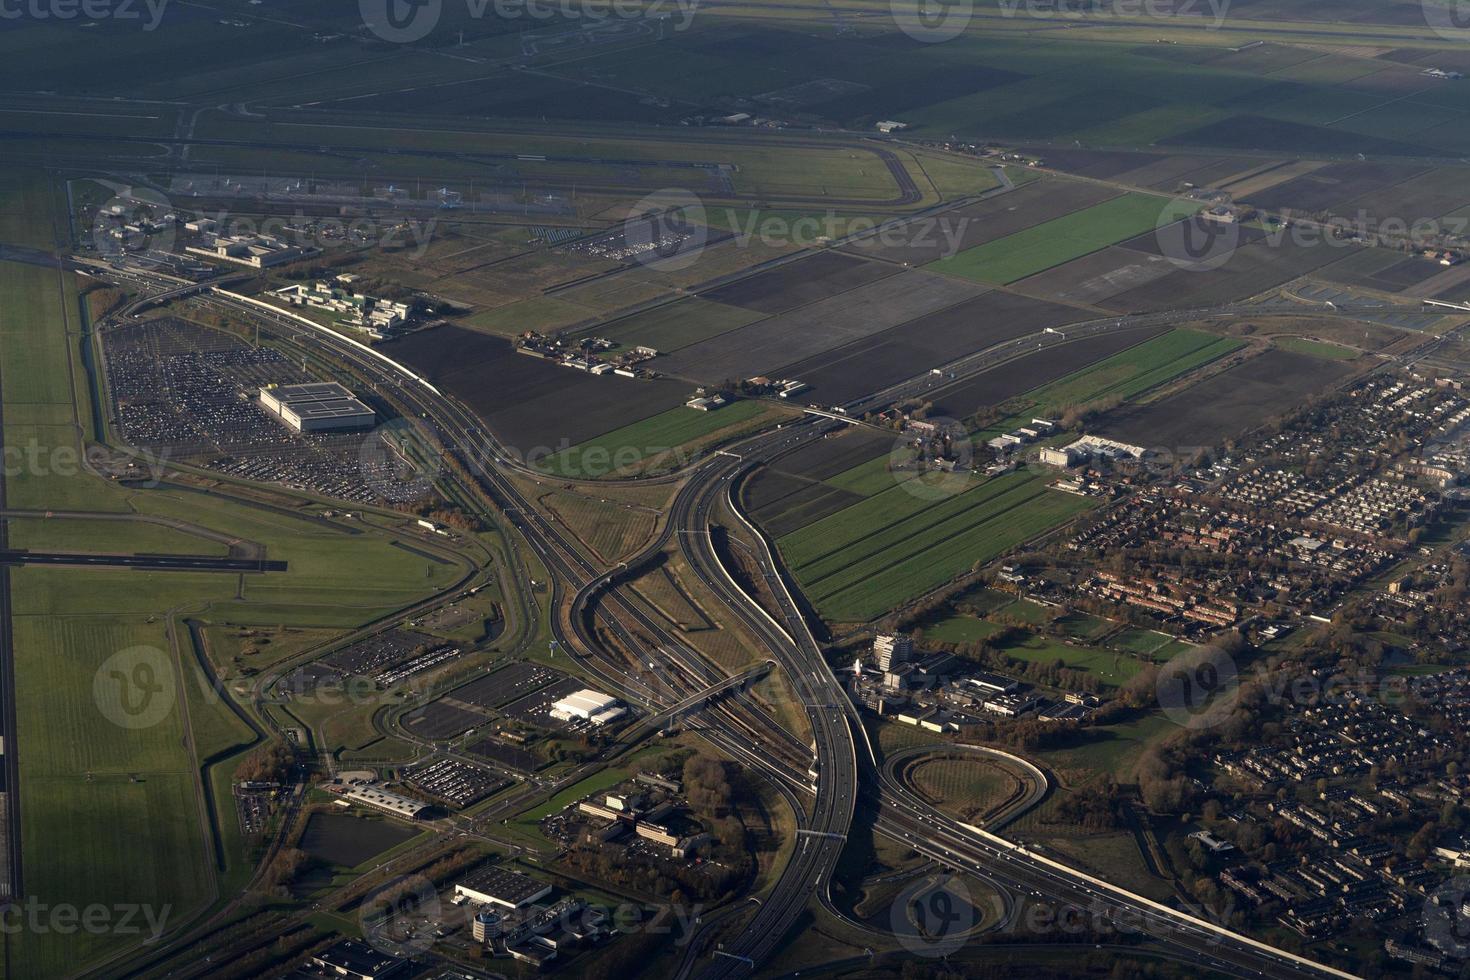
[588,705]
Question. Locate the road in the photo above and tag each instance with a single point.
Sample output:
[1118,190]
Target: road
[845,763]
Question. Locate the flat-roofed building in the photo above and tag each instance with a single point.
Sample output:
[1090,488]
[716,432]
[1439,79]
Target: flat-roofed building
[497,886]
[391,803]
[587,705]
[357,961]
[317,406]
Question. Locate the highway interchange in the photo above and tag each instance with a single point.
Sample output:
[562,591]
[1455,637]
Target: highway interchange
[824,780]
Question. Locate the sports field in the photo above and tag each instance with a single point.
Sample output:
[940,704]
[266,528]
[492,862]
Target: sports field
[1051,243]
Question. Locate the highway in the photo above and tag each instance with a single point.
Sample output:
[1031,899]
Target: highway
[845,763]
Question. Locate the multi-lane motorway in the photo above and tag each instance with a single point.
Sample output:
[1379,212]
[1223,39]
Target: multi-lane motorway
[840,763]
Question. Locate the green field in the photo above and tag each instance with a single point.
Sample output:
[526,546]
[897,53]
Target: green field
[113,797]
[595,783]
[1141,642]
[1316,348]
[960,628]
[1110,668]
[1071,236]
[894,546]
[1130,372]
[866,479]
[650,439]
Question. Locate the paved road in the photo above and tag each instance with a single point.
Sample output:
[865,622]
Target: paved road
[845,762]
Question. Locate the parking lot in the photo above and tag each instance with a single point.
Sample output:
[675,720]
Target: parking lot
[185,392]
[456,783]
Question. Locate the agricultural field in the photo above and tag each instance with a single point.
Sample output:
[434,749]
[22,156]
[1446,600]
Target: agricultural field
[1060,240]
[1124,376]
[891,547]
[655,442]
[964,398]
[677,325]
[796,490]
[930,238]
[1228,403]
[924,343]
[535,407]
[818,327]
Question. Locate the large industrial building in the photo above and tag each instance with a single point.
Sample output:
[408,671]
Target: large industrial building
[497,886]
[319,406]
[588,705]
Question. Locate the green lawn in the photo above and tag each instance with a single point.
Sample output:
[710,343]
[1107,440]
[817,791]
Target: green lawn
[1110,668]
[652,437]
[1033,613]
[1141,642]
[1081,626]
[1071,236]
[961,629]
[595,783]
